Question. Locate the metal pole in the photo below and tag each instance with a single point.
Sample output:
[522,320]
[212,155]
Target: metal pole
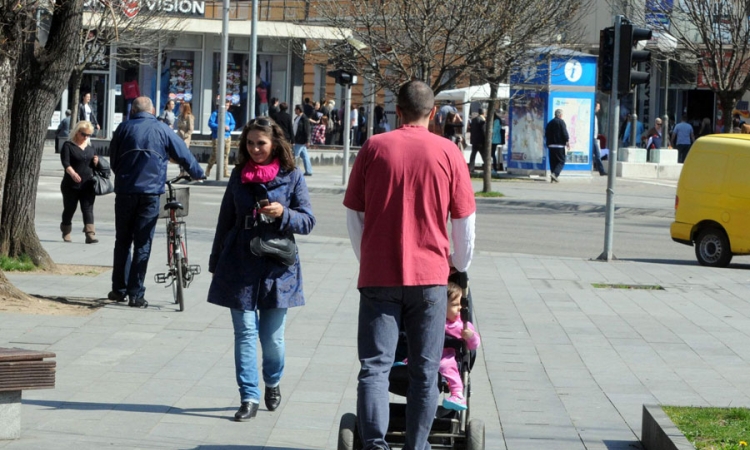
[665,125]
[347,132]
[634,117]
[157,100]
[221,107]
[253,60]
[371,120]
[614,126]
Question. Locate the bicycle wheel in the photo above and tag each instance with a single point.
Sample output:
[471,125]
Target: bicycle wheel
[177,280]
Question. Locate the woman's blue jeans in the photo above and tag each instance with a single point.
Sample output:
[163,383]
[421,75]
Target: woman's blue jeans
[268,324]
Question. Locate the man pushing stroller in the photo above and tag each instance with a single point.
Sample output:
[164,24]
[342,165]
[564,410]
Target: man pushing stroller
[403,186]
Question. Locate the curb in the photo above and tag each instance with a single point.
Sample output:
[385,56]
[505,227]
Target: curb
[658,432]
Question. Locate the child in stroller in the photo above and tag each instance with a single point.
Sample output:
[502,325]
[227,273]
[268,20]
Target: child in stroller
[458,329]
[452,427]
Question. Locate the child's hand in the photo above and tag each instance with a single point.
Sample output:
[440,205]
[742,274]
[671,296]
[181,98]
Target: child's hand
[467,334]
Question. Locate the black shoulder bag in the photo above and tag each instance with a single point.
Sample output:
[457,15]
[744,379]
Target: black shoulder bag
[270,243]
[102,182]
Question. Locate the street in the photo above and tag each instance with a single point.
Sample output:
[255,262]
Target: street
[534,217]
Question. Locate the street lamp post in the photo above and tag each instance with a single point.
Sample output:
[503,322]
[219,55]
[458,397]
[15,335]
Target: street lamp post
[667,44]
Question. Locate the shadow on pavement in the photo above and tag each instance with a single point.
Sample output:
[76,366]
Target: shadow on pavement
[681,262]
[130,407]
[623,445]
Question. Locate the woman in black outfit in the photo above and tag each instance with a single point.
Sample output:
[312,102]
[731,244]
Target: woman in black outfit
[78,158]
[453,129]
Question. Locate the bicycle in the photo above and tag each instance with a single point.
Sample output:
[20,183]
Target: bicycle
[180,273]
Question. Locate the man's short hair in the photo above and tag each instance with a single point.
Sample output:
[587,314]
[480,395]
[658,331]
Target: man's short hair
[558,112]
[482,111]
[415,100]
[283,106]
[298,108]
[142,104]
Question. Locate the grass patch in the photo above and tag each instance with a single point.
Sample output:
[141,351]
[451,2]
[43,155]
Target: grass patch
[646,287]
[713,428]
[21,264]
[491,194]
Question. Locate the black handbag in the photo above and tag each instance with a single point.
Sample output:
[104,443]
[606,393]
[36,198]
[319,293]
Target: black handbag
[271,244]
[102,182]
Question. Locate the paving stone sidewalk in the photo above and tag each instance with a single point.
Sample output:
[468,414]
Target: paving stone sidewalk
[563,365]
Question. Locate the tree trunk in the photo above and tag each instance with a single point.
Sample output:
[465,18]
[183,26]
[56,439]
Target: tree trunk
[489,129]
[42,75]
[7,290]
[727,103]
[76,77]
[7,85]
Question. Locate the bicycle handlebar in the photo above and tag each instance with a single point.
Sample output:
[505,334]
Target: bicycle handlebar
[180,177]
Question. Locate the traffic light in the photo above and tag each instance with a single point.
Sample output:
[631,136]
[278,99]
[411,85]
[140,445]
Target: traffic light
[630,58]
[606,59]
[343,77]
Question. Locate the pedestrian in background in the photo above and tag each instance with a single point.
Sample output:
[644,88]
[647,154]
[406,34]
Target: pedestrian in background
[258,290]
[167,116]
[229,125]
[63,132]
[301,126]
[405,260]
[556,135]
[498,140]
[79,159]
[185,127]
[453,129]
[478,134]
[597,151]
[86,112]
[284,120]
[683,138]
[140,151]
[319,131]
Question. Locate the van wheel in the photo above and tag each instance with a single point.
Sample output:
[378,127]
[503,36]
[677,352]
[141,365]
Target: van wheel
[712,248]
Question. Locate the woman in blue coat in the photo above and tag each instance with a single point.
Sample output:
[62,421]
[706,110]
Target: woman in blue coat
[259,290]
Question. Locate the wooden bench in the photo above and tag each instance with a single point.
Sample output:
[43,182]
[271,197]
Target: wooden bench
[21,370]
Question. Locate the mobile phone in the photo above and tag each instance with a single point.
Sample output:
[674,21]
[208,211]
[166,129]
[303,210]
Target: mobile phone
[263,203]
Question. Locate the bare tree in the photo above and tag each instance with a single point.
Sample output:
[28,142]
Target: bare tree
[518,32]
[712,33]
[46,42]
[126,25]
[434,41]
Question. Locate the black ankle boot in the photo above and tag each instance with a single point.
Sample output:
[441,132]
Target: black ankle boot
[272,398]
[247,411]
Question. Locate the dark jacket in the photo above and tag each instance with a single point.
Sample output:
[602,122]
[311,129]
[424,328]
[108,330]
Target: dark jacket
[242,280]
[140,151]
[284,120]
[556,132]
[82,115]
[302,136]
[477,131]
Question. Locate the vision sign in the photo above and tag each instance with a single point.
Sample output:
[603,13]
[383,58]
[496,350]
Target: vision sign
[131,8]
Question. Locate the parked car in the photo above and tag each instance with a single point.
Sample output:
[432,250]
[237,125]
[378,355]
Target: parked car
[712,206]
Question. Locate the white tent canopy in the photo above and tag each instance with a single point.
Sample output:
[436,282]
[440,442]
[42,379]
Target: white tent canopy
[464,96]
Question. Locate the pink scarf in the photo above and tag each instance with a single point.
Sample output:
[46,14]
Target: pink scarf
[256,173]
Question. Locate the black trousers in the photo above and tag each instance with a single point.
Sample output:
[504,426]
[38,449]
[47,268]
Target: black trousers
[556,160]
[71,198]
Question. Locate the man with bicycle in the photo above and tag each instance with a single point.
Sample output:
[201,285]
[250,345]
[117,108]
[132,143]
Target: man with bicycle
[139,152]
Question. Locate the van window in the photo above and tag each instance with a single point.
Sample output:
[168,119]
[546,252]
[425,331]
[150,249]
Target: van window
[738,177]
[705,172]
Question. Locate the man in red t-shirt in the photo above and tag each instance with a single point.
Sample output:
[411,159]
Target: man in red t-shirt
[403,187]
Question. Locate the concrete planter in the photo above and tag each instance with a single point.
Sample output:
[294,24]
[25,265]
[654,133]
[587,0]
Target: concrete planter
[658,432]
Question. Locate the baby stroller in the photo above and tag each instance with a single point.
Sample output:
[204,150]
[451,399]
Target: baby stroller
[451,429]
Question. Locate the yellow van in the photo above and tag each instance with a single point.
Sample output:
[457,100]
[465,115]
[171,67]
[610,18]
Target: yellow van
[712,206]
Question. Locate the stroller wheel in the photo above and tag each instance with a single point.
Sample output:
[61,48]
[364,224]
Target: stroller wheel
[348,434]
[474,435]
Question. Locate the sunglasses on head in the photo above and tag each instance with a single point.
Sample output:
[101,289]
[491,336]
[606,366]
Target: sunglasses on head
[261,121]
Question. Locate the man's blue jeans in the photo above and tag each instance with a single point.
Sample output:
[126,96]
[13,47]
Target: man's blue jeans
[268,324]
[300,150]
[135,221]
[421,310]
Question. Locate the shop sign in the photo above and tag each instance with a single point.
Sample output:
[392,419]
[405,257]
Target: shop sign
[131,8]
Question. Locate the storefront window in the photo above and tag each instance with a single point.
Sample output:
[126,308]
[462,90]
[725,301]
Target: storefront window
[179,79]
[270,81]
